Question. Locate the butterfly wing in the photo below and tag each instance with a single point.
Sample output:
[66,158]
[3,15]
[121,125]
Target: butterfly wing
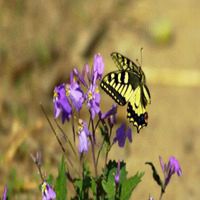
[137,107]
[128,85]
[118,85]
[124,63]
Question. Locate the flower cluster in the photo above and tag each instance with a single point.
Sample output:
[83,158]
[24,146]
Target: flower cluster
[81,90]
[71,96]
[169,169]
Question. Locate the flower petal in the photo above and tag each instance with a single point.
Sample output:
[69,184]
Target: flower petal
[47,192]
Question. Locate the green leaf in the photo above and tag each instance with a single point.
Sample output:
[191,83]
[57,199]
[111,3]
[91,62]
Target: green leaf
[97,188]
[78,183]
[155,174]
[108,183]
[49,179]
[109,188]
[94,187]
[128,185]
[61,182]
[83,185]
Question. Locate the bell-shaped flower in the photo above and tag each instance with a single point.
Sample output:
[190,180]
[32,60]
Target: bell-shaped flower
[80,76]
[61,103]
[110,115]
[98,68]
[121,134]
[110,112]
[117,175]
[93,100]
[170,168]
[74,93]
[47,192]
[4,197]
[83,134]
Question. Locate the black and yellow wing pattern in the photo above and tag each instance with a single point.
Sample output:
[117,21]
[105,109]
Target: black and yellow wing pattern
[128,85]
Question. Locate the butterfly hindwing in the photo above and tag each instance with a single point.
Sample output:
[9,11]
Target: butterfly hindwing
[136,109]
[146,97]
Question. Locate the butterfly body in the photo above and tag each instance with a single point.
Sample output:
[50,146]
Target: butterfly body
[128,85]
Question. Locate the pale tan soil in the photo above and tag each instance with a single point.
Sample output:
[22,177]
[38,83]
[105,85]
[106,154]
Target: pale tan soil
[41,41]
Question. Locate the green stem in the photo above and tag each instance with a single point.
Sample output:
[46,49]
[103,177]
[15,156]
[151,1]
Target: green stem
[108,149]
[54,131]
[93,129]
[97,125]
[93,142]
[100,149]
[52,128]
[73,127]
[93,155]
[67,139]
[161,193]
[40,172]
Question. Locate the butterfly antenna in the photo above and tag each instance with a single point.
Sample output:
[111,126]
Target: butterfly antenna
[138,62]
[141,55]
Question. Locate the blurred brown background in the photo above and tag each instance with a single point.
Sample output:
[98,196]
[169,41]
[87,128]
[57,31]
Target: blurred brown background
[41,41]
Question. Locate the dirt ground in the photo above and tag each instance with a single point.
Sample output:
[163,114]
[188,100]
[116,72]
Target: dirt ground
[42,41]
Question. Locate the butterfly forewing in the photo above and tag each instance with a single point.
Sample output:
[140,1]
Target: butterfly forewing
[124,63]
[116,84]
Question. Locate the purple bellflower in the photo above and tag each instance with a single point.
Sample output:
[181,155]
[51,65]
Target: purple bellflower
[80,77]
[83,134]
[93,96]
[98,68]
[74,93]
[4,197]
[93,75]
[110,115]
[170,168]
[112,120]
[61,103]
[47,192]
[117,176]
[121,134]
[93,100]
